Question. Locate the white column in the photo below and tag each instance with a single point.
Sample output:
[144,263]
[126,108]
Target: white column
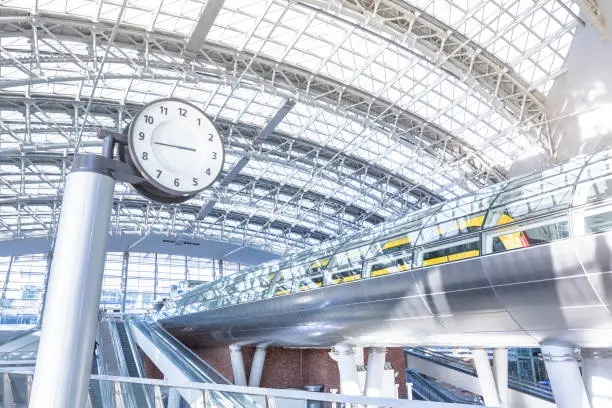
[359,356]
[258,365]
[237,365]
[68,332]
[174,398]
[374,374]
[485,377]
[597,375]
[500,374]
[564,375]
[349,383]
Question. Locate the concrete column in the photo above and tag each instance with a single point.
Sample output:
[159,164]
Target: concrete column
[374,375]
[63,365]
[349,382]
[597,375]
[564,375]
[258,365]
[500,374]
[485,377]
[237,365]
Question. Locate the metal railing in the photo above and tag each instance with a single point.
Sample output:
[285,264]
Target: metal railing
[457,364]
[16,387]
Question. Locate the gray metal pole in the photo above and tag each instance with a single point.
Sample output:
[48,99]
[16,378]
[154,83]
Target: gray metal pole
[65,352]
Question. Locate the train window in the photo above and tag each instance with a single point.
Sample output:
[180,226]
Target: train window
[319,265]
[343,276]
[526,235]
[592,220]
[313,282]
[452,228]
[385,265]
[450,252]
[281,289]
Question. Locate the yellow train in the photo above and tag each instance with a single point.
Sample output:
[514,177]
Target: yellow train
[435,255]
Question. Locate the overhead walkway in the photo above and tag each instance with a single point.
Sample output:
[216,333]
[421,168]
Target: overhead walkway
[464,376]
[514,264]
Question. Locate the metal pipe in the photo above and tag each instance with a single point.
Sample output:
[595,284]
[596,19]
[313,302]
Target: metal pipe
[237,364]
[68,332]
[258,365]
[374,374]
[564,375]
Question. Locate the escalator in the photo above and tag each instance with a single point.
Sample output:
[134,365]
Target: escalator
[463,374]
[181,365]
[428,390]
[95,388]
[119,356]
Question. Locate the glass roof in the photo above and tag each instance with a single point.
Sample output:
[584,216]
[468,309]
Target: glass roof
[381,126]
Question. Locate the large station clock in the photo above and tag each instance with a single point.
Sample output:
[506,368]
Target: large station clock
[176,148]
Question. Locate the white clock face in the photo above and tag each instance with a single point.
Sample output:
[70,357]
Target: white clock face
[176,147]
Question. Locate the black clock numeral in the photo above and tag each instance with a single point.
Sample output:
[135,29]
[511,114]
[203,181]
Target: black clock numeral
[195,181]
[214,155]
[163,110]
[182,112]
[141,135]
[210,137]
[177,182]
[159,172]
[149,119]
[208,172]
[145,156]
[199,121]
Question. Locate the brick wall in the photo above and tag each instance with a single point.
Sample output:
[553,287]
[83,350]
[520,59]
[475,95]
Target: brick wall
[288,368]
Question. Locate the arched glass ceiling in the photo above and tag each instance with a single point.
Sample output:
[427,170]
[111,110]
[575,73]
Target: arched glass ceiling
[395,105]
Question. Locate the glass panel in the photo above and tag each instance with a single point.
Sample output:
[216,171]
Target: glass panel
[458,217]
[592,220]
[527,234]
[595,181]
[538,185]
[532,206]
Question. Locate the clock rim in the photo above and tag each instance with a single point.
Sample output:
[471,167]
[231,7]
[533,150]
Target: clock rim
[149,177]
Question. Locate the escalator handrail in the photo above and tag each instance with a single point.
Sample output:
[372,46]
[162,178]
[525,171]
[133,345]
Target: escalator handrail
[187,359]
[119,354]
[138,361]
[460,365]
[105,391]
[445,395]
[198,368]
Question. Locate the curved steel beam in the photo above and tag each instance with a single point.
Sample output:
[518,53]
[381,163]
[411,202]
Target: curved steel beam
[239,68]
[246,188]
[136,215]
[460,55]
[237,135]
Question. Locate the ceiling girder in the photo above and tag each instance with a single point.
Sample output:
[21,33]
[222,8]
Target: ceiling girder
[217,63]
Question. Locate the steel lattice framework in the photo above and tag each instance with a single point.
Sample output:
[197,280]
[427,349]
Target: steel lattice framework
[337,115]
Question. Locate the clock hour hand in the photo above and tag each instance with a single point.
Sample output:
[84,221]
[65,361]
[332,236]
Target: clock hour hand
[191,149]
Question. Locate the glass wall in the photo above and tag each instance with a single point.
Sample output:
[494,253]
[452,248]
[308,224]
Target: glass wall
[132,282]
[569,200]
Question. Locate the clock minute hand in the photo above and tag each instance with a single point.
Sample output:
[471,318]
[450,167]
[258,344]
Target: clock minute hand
[176,146]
